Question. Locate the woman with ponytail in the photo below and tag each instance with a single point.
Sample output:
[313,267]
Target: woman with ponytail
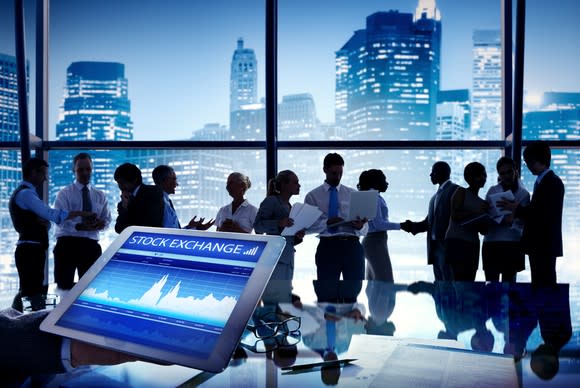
[273,216]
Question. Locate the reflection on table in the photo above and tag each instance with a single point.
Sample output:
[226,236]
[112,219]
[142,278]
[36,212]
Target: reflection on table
[511,334]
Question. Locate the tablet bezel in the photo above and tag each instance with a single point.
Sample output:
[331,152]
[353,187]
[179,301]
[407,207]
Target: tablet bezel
[227,341]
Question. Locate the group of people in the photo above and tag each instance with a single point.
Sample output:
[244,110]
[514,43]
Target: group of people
[512,222]
[512,226]
[521,224]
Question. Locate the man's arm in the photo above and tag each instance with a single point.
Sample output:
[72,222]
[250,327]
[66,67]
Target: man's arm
[28,351]
[25,349]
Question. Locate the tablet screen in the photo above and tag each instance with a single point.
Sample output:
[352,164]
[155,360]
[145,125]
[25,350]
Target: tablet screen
[174,293]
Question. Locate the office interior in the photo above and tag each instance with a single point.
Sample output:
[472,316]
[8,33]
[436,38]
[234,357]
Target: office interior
[298,103]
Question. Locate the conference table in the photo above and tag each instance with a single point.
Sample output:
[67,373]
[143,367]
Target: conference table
[377,334]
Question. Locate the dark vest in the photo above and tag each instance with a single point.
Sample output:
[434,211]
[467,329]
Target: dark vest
[29,226]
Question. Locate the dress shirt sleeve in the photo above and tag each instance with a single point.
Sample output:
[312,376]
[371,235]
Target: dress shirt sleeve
[63,202]
[28,199]
[381,221]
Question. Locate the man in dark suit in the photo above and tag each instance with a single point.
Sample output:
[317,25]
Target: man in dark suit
[437,220]
[140,204]
[542,234]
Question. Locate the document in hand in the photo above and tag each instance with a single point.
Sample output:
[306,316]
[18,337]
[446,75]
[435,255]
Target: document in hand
[494,211]
[303,215]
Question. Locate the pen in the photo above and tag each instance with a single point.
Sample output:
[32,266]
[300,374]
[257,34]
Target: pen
[321,363]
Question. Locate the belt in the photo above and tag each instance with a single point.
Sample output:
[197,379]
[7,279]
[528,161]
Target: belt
[340,238]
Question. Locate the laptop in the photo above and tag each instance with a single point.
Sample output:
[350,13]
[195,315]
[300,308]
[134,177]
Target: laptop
[363,204]
[169,295]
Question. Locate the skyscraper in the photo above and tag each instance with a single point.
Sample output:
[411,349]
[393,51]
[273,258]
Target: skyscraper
[387,76]
[487,85]
[243,77]
[10,174]
[297,118]
[387,81]
[95,106]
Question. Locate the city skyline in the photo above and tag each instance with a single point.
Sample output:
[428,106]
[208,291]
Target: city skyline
[197,94]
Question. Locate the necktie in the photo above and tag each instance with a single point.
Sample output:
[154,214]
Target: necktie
[174,214]
[333,203]
[332,206]
[87,205]
[535,185]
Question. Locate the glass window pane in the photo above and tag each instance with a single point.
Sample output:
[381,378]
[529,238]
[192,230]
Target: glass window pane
[10,177]
[186,72]
[552,105]
[421,70]
[10,168]
[551,82]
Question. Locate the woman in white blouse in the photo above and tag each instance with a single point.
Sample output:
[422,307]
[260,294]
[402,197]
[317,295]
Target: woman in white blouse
[375,242]
[237,216]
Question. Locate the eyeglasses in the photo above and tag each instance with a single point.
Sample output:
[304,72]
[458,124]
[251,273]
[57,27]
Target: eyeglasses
[271,324]
[263,345]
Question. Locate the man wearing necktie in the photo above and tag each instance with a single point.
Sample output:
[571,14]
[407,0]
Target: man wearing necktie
[164,177]
[80,234]
[542,234]
[339,251]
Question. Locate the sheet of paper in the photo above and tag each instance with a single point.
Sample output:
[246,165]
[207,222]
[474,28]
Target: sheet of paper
[401,362]
[494,211]
[304,215]
[427,366]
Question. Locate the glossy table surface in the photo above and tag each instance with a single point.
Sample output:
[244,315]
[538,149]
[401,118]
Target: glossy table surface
[424,334]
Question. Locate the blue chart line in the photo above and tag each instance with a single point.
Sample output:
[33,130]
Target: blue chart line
[166,291]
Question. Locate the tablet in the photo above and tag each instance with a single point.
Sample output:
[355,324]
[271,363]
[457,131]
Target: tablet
[363,204]
[175,296]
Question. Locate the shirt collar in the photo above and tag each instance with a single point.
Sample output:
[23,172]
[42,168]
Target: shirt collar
[80,186]
[243,204]
[327,186]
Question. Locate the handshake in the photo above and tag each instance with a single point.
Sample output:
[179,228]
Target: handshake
[410,227]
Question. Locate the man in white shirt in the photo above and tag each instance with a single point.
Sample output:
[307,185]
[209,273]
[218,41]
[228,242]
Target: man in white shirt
[339,250]
[79,234]
[164,177]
